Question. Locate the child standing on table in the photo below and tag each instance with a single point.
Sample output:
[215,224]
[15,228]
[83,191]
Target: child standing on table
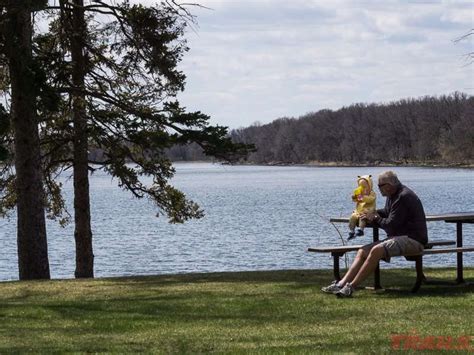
[364,197]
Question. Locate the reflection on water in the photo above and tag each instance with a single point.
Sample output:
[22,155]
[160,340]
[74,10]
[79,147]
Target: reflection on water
[257,218]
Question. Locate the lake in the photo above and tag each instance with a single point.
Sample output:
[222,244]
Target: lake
[257,218]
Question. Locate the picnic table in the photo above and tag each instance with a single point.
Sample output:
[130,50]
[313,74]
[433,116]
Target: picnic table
[458,218]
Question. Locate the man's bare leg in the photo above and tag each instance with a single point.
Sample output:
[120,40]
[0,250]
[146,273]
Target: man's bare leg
[355,267]
[368,267]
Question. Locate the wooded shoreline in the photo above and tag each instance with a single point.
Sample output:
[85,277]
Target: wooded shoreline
[368,164]
[426,131]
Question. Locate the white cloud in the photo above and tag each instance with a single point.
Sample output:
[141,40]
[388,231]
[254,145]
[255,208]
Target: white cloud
[260,60]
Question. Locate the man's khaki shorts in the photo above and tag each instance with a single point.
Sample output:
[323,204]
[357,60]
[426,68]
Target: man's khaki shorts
[396,246]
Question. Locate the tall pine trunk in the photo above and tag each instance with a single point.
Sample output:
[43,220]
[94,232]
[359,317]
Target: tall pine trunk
[31,234]
[82,215]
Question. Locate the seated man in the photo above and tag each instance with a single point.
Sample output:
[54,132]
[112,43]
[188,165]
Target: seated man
[402,218]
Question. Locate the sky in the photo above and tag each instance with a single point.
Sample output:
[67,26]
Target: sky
[254,61]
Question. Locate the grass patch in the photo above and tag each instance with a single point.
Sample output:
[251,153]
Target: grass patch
[264,312]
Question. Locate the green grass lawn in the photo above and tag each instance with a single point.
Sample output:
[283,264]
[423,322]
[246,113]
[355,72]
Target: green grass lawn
[264,312]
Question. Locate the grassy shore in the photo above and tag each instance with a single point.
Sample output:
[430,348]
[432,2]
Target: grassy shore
[263,312]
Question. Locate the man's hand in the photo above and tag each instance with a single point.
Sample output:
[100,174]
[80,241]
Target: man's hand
[369,216]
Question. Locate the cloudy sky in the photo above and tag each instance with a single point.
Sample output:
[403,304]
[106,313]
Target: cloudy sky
[259,60]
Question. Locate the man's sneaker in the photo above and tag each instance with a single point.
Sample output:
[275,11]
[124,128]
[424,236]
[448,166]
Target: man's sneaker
[359,232]
[346,291]
[332,288]
[351,235]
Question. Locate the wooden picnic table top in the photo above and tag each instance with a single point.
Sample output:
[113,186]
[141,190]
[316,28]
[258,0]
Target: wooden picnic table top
[467,217]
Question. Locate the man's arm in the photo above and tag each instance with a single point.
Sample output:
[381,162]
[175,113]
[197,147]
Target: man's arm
[396,217]
[375,216]
[383,212]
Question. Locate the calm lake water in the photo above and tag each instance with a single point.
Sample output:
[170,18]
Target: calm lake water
[257,218]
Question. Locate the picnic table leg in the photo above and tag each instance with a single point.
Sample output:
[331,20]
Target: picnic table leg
[337,275]
[377,284]
[419,273]
[460,278]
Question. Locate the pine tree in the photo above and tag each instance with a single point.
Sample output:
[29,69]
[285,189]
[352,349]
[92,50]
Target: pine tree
[27,186]
[110,84]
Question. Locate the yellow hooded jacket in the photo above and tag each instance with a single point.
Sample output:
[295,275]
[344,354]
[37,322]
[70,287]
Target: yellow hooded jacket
[368,201]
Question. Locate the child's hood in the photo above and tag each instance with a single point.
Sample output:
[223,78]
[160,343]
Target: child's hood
[367,178]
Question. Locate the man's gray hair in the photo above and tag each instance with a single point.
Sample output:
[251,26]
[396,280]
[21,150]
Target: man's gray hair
[389,177]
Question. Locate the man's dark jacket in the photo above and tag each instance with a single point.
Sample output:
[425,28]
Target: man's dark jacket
[403,214]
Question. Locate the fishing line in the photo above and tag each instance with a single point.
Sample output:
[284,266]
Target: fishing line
[325,219]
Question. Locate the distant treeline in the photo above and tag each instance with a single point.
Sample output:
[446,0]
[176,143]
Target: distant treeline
[426,130]
[423,130]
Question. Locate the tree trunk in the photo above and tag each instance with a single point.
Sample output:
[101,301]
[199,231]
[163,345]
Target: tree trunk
[82,215]
[31,234]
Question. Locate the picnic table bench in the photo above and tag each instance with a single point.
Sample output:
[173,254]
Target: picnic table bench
[431,248]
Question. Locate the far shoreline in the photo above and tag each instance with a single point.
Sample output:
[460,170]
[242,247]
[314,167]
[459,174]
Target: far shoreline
[318,164]
[378,164]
